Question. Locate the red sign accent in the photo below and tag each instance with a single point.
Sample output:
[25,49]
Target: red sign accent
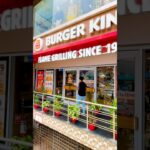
[40,80]
[38,45]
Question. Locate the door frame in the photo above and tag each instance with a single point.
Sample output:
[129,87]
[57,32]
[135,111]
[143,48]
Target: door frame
[64,79]
[95,75]
[77,69]
[137,55]
[144,111]
[10,93]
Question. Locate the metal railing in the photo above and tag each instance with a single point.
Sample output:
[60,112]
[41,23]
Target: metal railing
[11,144]
[90,115]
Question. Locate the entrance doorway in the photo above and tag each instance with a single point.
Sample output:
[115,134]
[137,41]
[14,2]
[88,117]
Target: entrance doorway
[101,82]
[16,95]
[146,126]
[71,81]
[4,61]
[129,99]
[22,110]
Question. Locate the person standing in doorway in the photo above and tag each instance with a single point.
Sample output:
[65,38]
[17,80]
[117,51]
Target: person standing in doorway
[81,94]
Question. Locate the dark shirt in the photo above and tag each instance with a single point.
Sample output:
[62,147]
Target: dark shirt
[82,89]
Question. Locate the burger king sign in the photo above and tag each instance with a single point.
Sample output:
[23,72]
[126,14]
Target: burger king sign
[38,44]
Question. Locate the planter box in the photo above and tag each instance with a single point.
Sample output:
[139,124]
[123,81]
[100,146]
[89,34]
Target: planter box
[73,120]
[91,90]
[67,87]
[45,109]
[36,106]
[97,112]
[70,88]
[57,113]
[73,88]
[91,127]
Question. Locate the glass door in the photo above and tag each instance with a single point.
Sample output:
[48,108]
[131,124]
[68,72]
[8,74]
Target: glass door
[70,83]
[129,100]
[147,100]
[59,81]
[89,75]
[105,84]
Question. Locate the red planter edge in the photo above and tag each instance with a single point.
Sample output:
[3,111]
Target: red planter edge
[91,127]
[73,120]
[57,113]
[36,106]
[45,109]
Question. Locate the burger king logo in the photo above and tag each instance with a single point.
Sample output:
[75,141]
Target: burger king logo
[38,45]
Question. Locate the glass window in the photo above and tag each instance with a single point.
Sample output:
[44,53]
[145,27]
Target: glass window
[105,84]
[71,77]
[43,17]
[126,99]
[52,13]
[70,84]
[88,77]
[89,80]
[40,80]
[59,81]
[49,79]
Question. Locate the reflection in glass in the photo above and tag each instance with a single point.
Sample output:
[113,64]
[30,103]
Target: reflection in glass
[89,80]
[70,84]
[105,84]
[126,102]
[88,77]
[52,13]
[59,81]
[42,17]
[147,100]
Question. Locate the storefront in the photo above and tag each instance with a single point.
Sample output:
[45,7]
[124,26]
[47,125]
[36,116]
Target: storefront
[133,80]
[83,47]
[16,69]
[66,81]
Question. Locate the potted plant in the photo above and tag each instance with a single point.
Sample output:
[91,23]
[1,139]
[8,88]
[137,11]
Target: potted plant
[91,122]
[111,111]
[46,105]
[74,112]
[92,112]
[57,106]
[43,89]
[27,138]
[36,102]
[95,109]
